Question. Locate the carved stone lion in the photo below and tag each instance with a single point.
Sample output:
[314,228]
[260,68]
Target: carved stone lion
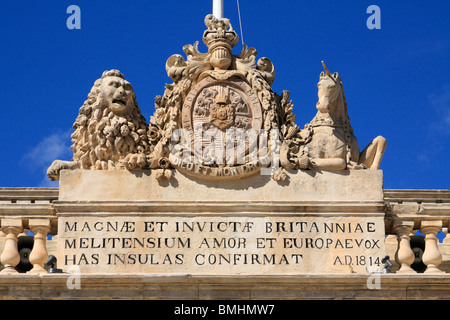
[212,22]
[110,132]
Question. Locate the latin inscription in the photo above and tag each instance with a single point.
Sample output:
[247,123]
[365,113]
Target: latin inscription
[221,244]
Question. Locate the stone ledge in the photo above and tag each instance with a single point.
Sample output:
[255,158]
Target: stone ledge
[416,195]
[69,208]
[122,185]
[189,287]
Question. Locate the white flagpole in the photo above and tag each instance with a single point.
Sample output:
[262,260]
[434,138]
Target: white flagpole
[218,8]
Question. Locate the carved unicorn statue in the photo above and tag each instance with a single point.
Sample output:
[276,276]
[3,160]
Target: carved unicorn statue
[329,143]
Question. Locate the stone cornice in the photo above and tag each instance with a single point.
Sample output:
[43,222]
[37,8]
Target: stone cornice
[186,286]
[212,207]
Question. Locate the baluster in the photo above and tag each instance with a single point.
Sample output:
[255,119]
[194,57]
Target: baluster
[432,258]
[404,255]
[10,256]
[39,254]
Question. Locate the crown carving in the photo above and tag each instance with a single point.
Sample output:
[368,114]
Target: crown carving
[220,38]
[213,38]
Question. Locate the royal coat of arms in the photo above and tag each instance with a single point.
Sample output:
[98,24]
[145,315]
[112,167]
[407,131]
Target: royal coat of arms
[222,111]
[215,119]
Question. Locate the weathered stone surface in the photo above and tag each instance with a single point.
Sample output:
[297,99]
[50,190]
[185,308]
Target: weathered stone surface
[279,244]
[199,232]
[191,287]
[119,221]
[358,186]
[328,141]
[219,115]
[110,132]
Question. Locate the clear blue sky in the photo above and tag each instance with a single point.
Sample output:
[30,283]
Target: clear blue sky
[396,80]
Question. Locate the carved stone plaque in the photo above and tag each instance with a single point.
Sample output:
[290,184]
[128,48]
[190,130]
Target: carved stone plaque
[216,244]
[120,222]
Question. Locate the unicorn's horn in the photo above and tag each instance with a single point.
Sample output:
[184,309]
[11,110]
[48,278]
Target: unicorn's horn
[326,69]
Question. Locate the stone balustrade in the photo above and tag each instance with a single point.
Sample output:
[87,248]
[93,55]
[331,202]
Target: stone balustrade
[23,209]
[407,211]
[426,211]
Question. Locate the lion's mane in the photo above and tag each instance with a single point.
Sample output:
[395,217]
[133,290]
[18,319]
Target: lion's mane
[103,140]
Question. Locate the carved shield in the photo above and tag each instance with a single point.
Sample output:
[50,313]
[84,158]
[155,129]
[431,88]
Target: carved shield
[222,116]
[215,108]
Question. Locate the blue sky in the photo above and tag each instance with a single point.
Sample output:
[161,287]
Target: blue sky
[396,79]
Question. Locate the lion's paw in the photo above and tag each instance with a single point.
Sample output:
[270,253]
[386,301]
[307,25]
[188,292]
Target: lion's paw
[54,170]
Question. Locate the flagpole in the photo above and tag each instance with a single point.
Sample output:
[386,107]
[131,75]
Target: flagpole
[218,8]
